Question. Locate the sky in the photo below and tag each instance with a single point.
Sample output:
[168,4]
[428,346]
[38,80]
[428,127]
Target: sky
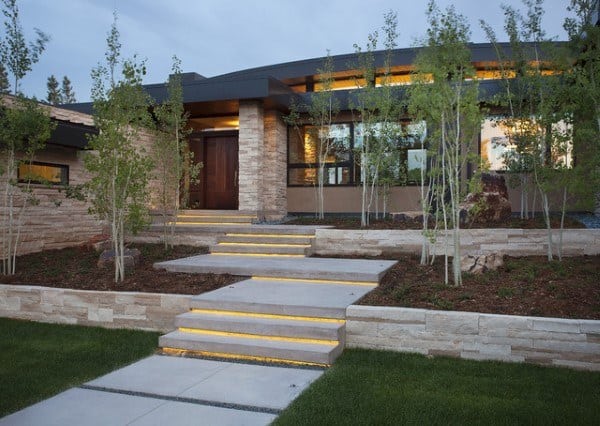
[213,37]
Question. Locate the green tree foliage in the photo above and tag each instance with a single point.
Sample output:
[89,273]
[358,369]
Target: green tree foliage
[583,84]
[4,84]
[536,113]
[171,155]
[53,96]
[24,129]
[445,94]
[119,167]
[66,91]
[17,55]
[378,108]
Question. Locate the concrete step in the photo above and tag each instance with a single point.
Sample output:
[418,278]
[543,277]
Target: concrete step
[266,238]
[259,248]
[283,297]
[250,346]
[272,266]
[215,219]
[263,324]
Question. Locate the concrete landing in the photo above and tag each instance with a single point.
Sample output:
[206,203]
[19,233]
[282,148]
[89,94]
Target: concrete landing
[290,297]
[293,267]
[163,390]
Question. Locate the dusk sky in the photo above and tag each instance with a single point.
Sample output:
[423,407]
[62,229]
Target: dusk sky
[213,37]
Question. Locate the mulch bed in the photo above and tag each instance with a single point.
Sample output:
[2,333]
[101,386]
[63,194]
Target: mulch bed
[529,286]
[77,268]
[523,286]
[354,223]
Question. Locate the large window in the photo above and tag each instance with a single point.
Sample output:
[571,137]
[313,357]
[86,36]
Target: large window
[45,173]
[403,155]
[497,148]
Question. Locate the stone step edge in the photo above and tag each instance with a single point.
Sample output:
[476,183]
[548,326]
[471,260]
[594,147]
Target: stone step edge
[257,337]
[295,351]
[250,359]
[258,315]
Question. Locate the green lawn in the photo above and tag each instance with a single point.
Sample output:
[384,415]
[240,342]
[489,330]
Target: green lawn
[39,360]
[386,388]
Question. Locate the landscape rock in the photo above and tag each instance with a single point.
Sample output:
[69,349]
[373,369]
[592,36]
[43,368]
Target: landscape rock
[489,206]
[131,257]
[478,264]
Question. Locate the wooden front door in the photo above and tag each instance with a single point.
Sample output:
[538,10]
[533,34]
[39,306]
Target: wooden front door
[218,186]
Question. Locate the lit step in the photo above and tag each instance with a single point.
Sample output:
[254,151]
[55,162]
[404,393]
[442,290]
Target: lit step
[263,324]
[263,249]
[215,219]
[262,347]
[266,239]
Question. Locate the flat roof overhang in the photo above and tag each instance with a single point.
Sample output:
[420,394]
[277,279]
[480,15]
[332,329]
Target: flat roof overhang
[71,135]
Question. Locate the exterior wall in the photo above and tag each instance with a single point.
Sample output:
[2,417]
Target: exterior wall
[514,242]
[347,199]
[56,221]
[274,167]
[110,309]
[469,335]
[251,140]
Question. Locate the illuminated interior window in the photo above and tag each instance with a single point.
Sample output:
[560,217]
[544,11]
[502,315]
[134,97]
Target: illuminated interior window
[344,84]
[54,174]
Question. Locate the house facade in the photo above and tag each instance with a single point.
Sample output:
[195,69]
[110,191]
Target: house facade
[254,162]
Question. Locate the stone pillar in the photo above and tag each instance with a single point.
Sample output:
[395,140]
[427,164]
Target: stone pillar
[275,167]
[251,142]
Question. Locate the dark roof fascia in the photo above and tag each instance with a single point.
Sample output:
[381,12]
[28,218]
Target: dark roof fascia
[480,52]
[71,135]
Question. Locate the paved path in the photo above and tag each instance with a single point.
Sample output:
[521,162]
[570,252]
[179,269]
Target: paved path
[292,309]
[163,390]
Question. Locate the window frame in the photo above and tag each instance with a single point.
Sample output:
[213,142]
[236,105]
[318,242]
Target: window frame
[64,175]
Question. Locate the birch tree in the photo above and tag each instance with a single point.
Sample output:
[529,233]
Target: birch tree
[24,129]
[537,118]
[170,153]
[378,108]
[445,94]
[118,165]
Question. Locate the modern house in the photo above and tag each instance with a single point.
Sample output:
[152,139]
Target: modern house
[254,163]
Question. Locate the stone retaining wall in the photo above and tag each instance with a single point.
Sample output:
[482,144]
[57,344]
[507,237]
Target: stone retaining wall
[110,309]
[514,242]
[469,335]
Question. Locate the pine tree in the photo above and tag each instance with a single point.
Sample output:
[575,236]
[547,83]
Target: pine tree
[68,95]
[54,96]
[4,86]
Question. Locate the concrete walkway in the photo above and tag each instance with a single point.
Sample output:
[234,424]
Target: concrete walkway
[163,390]
[292,310]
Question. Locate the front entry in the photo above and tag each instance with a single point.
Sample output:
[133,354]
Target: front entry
[218,185]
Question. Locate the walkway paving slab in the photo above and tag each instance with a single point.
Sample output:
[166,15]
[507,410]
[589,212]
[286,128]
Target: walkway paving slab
[289,267]
[162,390]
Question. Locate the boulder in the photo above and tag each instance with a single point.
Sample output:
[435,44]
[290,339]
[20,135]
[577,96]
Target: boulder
[489,206]
[478,264]
[131,257]
[99,242]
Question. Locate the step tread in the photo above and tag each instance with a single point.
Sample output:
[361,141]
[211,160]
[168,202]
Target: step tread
[258,249]
[295,351]
[261,239]
[296,328]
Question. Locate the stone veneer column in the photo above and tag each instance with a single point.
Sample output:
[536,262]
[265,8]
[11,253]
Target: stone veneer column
[251,142]
[274,181]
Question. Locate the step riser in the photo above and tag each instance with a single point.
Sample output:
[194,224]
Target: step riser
[260,249]
[266,240]
[301,330]
[255,350]
[260,308]
[214,219]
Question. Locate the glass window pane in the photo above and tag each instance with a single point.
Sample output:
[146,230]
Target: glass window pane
[44,173]
[302,176]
